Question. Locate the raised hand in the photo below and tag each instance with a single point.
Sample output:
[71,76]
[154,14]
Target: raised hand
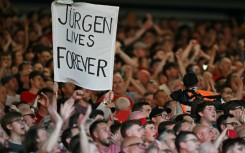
[78,94]
[67,109]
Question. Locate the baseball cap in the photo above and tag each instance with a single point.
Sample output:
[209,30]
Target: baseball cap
[158,110]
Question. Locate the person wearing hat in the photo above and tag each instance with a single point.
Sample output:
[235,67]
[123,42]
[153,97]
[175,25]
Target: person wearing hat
[11,85]
[159,114]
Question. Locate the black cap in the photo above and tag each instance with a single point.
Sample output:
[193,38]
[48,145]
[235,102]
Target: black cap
[158,110]
[190,79]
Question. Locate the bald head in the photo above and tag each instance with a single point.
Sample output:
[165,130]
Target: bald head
[204,133]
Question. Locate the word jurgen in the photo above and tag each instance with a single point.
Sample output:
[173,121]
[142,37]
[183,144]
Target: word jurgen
[76,61]
[87,23]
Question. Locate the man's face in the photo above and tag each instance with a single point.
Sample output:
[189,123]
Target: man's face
[37,82]
[227,94]
[152,86]
[231,123]
[209,114]
[161,98]
[170,141]
[161,117]
[29,117]
[17,126]
[118,84]
[207,134]
[146,110]
[13,84]
[6,60]
[192,144]
[136,130]
[150,133]
[44,57]
[103,134]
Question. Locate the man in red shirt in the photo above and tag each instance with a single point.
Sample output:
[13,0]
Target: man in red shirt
[36,80]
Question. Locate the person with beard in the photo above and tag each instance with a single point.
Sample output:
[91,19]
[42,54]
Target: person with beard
[101,134]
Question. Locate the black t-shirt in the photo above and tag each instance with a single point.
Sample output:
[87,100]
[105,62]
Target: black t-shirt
[19,148]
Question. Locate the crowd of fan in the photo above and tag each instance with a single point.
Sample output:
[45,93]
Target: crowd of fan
[153,58]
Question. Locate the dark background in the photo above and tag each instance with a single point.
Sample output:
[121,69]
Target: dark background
[184,10]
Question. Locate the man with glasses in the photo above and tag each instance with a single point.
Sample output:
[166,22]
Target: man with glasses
[133,144]
[235,108]
[187,142]
[159,114]
[14,125]
[227,121]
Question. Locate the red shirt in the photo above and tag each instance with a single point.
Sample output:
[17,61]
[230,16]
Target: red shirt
[27,96]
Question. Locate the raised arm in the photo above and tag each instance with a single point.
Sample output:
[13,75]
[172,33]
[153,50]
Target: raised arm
[179,56]
[124,56]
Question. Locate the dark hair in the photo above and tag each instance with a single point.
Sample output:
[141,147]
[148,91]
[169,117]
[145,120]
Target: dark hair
[181,117]
[163,126]
[190,79]
[8,118]
[162,136]
[74,145]
[30,140]
[222,120]
[168,66]
[229,143]
[33,74]
[181,137]
[200,107]
[95,113]
[115,127]
[66,134]
[94,125]
[178,126]
[139,106]
[127,125]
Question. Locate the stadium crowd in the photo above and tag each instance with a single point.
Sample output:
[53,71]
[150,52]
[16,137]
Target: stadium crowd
[163,75]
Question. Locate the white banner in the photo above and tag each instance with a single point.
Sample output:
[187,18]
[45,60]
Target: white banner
[84,38]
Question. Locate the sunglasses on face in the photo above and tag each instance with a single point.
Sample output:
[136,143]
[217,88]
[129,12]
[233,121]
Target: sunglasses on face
[234,124]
